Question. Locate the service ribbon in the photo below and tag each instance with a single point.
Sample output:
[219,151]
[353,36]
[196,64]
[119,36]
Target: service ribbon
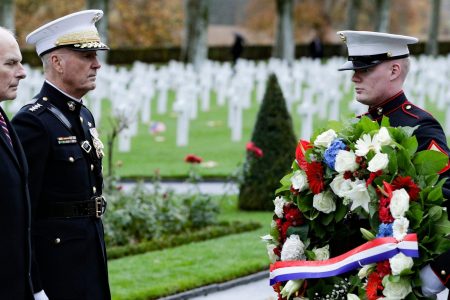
[376,250]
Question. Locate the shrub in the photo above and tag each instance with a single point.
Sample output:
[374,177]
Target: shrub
[274,135]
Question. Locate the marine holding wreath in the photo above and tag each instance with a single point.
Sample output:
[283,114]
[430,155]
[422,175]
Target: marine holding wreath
[64,152]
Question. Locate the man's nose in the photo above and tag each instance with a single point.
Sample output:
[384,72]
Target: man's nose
[21,72]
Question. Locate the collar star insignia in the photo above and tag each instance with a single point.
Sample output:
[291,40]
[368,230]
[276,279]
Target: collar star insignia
[71,105]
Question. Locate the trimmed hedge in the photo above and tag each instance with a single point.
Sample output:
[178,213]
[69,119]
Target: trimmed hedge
[209,232]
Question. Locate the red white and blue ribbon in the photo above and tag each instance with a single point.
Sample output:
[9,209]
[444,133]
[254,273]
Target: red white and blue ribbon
[374,251]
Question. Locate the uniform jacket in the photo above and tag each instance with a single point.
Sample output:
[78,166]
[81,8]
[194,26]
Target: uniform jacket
[69,253]
[430,135]
[15,282]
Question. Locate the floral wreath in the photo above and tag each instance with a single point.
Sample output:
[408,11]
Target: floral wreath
[361,182]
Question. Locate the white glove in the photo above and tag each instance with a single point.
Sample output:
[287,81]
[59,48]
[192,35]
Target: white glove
[431,285]
[40,296]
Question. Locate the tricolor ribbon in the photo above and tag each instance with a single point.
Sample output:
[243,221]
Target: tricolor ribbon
[374,251]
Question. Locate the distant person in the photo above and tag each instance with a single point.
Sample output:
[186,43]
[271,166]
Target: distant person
[237,48]
[15,251]
[316,46]
[64,153]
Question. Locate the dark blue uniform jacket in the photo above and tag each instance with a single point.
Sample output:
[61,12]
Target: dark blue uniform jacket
[69,259]
[430,135]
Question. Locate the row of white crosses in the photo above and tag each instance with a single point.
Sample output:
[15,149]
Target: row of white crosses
[312,89]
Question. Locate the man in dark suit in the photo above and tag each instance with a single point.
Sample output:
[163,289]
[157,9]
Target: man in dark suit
[64,154]
[380,64]
[15,251]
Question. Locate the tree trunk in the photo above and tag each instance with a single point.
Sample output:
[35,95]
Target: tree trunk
[284,38]
[195,48]
[432,47]
[7,14]
[102,25]
[352,14]
[383,12]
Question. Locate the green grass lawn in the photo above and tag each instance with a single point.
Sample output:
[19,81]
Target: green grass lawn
[158,273]
[209,138]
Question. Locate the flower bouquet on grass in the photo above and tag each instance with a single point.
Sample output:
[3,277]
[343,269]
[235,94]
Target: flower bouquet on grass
[358,216]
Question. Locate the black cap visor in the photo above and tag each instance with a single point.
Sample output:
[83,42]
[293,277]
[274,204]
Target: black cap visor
[357,65]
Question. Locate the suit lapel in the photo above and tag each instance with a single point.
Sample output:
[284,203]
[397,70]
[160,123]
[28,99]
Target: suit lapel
[5,143]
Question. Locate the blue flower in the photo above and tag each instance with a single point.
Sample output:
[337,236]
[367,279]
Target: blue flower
[330,154]
[385,230]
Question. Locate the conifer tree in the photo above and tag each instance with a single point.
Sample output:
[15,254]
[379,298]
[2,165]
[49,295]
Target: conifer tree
[274,134]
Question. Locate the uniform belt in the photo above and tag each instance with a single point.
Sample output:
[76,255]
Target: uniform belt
[94,207]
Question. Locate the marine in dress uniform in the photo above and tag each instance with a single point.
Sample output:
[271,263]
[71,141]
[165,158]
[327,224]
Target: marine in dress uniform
[367,50]
[15,250]
[59,136]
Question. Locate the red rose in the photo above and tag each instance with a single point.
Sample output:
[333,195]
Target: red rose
[294,215]
[251,147]
[193,159]
[406,183]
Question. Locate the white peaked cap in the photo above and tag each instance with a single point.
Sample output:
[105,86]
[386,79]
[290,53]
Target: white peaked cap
[367,49]
[76,31]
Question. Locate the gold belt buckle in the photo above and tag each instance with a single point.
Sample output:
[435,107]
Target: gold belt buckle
[100,206]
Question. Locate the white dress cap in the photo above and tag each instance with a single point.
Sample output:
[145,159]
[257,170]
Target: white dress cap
[366,48]
[76,31]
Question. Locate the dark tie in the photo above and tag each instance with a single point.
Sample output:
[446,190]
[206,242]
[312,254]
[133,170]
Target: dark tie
[5,129]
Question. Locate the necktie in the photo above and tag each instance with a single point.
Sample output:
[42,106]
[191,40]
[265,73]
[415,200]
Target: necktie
[5,129]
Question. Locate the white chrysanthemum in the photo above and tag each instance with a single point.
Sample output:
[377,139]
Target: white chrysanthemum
[272,256]
[359,195]
[399,203]
[364,144]
[293,249]
[352,297]
[299,180]
[279,204]
[325,138]
[322,253]
[379,162]
[345,161]
[400,262]
[400,228]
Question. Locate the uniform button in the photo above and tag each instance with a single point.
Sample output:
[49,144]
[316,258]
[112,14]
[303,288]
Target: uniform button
[408,106]
[94,189]
[92,167]
[71,159]
[81,119]
[44,98]
[443,273]
[57,240]
[379,111]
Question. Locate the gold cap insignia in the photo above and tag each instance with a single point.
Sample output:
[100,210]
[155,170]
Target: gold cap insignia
[71,105]
[343,38]
[389,54]
[96,17]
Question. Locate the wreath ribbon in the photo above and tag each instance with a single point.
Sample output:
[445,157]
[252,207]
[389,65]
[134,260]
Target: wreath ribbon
[376,250]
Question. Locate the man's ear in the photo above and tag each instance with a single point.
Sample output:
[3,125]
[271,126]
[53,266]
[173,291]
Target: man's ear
[396,70]
[57,63]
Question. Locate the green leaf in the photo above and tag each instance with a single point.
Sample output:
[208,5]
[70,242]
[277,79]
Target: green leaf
[435,213]
[327,218]
[392,166]
[410,145]
[442,226]
[305,203]
[301,231]
[385,122]
[285,183]
[442,245]
[436,193]
[341,210]
[429,161]
[405,164]
[368,125]
[414,215]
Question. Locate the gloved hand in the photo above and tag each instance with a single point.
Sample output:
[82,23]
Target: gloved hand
[40,296]
[431,285]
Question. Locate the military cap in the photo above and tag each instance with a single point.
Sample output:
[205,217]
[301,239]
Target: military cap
[367,49]
[76,31]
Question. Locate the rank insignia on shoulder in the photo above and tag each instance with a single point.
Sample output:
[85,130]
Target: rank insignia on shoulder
[67,139]
[35,107]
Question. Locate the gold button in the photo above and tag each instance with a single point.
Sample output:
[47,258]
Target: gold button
[81,119]
[408,106]
[71,159]
[92,167]
[380,111]
[94,189]
[443,273]
[57,240]
[44,98]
